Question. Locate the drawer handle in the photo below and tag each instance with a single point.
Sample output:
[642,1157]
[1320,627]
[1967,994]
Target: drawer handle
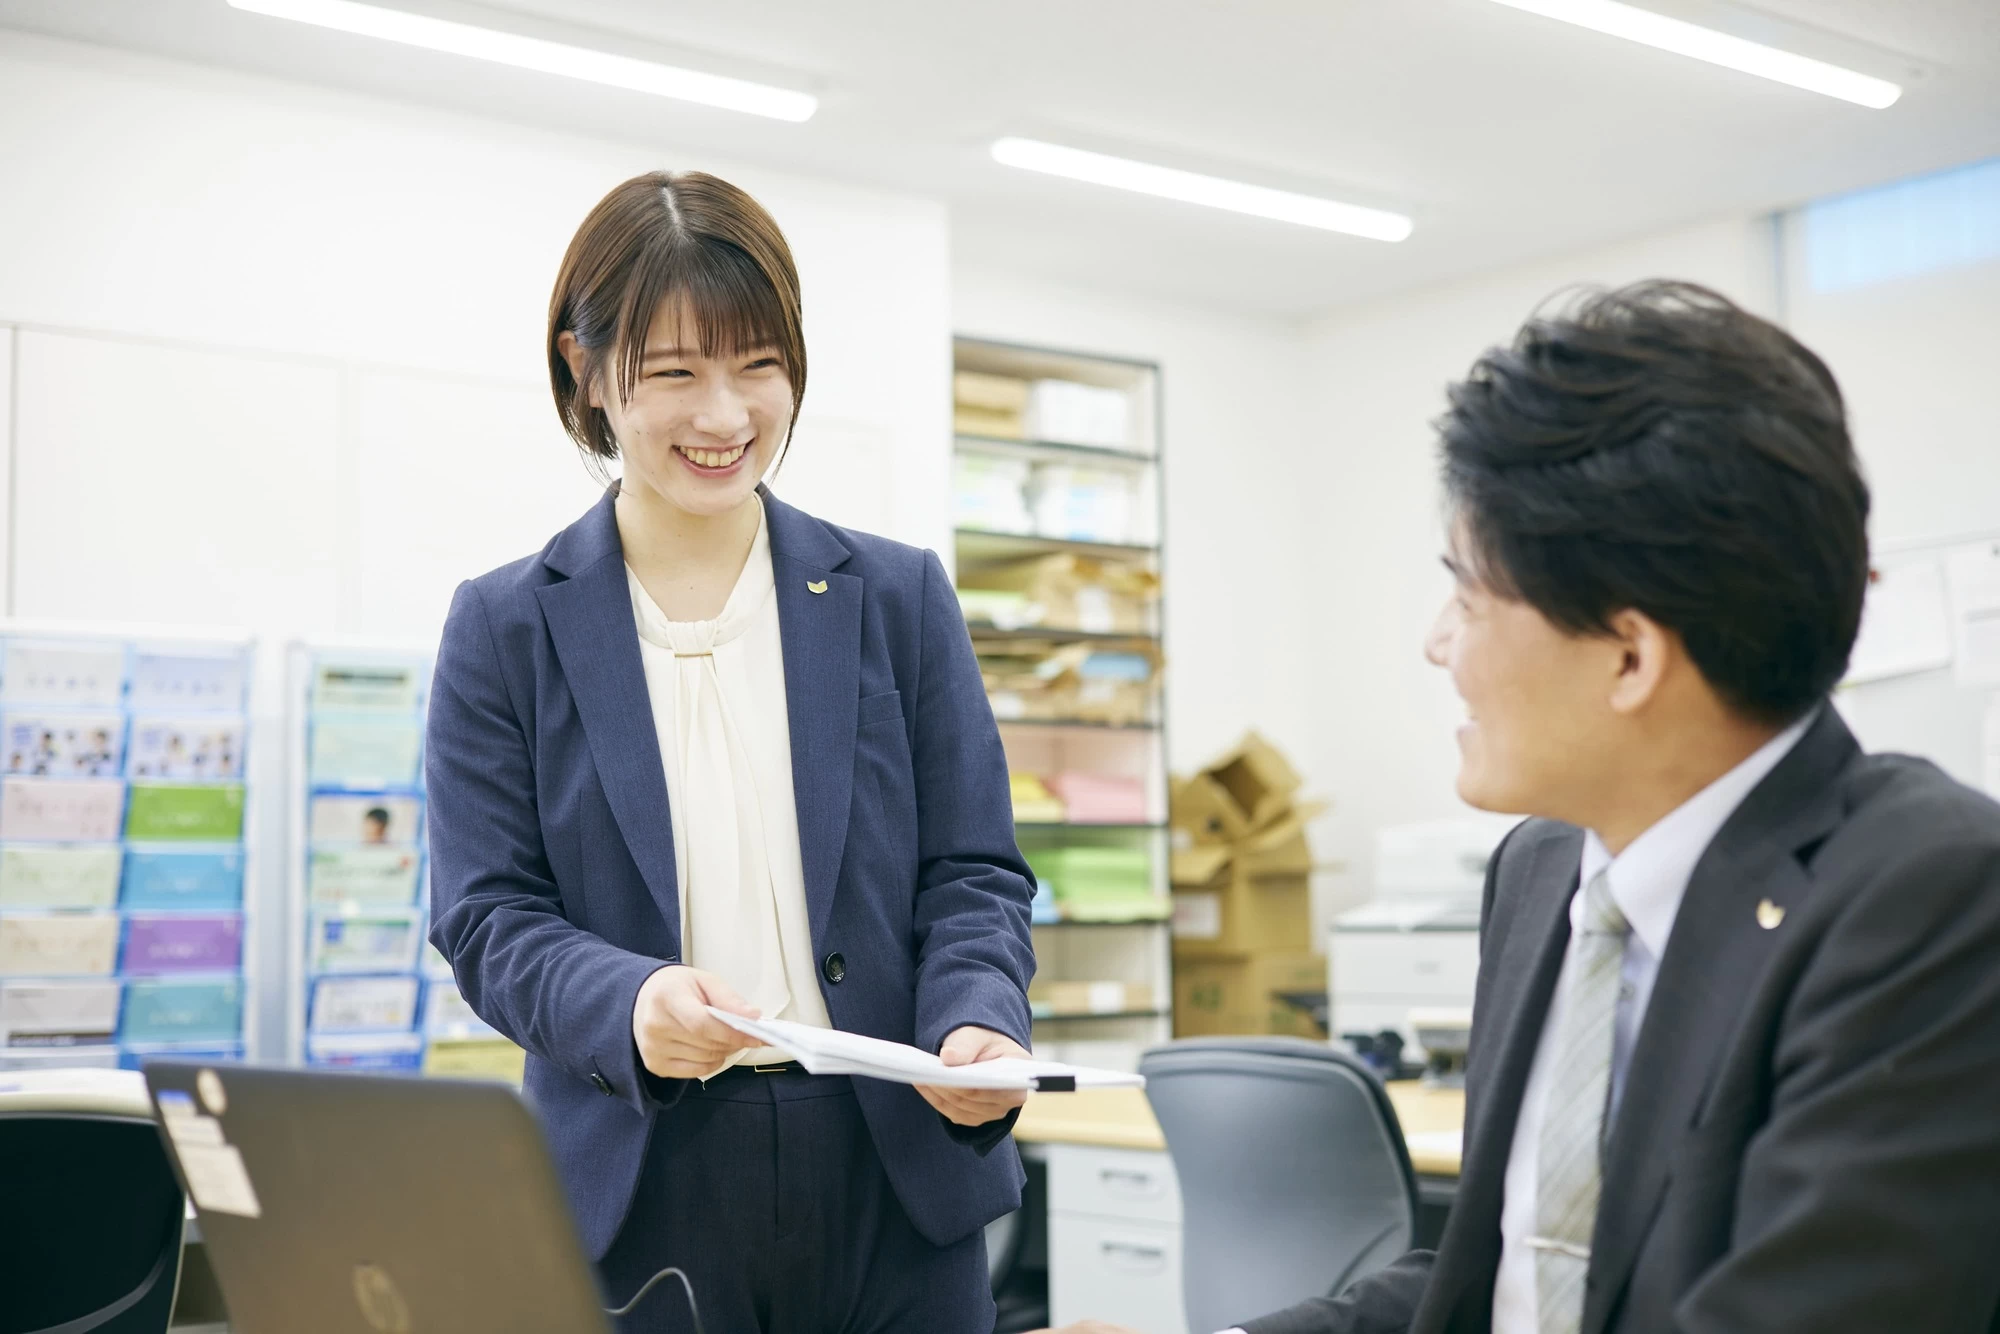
[1119,1178]
[1134,1255]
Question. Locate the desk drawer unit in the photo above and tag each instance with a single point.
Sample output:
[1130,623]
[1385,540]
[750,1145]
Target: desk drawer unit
[1117,1270]
[1134,1184]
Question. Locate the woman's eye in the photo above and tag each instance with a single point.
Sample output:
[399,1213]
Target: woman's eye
[762,364]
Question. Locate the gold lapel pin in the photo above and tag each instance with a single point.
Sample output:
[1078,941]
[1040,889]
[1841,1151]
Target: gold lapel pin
[816,586]
[1769,915]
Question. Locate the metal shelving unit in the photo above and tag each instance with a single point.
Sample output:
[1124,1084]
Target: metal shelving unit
[1125,744]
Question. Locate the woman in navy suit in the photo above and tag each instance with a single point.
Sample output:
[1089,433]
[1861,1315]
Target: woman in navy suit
[707,750]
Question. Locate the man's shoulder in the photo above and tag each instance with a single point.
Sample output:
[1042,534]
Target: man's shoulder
[1899,810]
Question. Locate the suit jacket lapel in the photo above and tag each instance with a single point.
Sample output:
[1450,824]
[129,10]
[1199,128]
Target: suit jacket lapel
[1524,965]
[819,622]
[589,616]
[1715,956]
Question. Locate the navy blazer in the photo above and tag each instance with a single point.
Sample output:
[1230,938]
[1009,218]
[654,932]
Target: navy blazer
[553,887]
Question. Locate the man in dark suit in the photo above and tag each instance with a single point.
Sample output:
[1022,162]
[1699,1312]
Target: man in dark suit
[1735,1064]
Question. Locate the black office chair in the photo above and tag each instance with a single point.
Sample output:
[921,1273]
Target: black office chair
[92,1220]
[1294,1177]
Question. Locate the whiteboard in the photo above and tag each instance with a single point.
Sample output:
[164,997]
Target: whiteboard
[1927,713]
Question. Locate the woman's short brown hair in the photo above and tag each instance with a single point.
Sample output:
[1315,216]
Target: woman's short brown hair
[680,233]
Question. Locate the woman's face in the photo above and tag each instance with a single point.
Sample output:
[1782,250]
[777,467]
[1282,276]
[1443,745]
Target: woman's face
[698,432]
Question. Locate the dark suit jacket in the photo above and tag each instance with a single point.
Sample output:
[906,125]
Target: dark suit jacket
[1810,1134]
[552,863]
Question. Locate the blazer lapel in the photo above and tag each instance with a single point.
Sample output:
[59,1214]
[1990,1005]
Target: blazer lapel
[819,622]
[589,616]
[1715,956]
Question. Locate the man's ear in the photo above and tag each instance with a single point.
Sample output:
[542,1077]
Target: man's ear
[579,366]
[1647,651]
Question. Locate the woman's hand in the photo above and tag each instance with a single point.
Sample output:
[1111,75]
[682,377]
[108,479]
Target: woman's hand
[676,1035]
[974,1107]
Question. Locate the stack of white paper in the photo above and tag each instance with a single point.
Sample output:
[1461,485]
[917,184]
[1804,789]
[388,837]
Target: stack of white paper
[826,1051]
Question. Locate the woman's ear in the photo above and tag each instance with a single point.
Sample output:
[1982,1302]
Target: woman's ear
[579,366]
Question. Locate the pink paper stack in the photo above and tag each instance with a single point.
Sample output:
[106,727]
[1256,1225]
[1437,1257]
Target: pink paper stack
[1101,798]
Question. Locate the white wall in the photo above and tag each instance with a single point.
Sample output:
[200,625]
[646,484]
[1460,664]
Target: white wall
[1238,531]
[282,313]
[1383,719]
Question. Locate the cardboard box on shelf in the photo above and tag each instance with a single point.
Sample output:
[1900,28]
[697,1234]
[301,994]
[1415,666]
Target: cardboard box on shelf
[1236,994]
[1066,591]
[1108,997]
[992,405]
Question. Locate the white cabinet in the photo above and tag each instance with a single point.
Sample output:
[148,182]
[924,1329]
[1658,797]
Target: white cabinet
[1114,1238]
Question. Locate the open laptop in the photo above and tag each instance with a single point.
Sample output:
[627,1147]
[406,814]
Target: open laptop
[335,1202]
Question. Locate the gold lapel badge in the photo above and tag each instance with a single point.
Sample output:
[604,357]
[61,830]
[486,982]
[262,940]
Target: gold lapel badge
[818,586]
[1769,915]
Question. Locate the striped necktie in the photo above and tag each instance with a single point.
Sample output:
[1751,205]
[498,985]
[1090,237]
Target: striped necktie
[1572,1139]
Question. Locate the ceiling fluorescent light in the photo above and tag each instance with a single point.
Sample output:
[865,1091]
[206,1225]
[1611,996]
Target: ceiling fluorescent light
[575,62]
[1717,48]
[1191,188]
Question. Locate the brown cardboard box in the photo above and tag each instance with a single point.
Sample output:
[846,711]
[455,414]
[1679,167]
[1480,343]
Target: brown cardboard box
[1233,994]
[1259,781]
[1203,809]
[1090,997]
[1239,915]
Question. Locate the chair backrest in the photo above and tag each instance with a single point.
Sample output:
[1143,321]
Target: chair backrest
[91,1216]
[1294,1177]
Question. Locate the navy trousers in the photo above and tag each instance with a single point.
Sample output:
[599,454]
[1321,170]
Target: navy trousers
[767,1190]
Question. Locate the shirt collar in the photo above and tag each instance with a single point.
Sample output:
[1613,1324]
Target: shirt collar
[1651,876]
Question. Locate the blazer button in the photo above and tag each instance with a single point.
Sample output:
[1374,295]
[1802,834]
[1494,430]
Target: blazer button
[835,968]
[603,1084]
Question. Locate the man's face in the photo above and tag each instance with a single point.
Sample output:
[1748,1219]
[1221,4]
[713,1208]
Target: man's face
[1539,737]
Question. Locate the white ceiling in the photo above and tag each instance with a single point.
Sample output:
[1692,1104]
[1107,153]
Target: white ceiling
[1505,135]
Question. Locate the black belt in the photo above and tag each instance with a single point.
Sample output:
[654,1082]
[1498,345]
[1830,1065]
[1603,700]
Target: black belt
[746,1071]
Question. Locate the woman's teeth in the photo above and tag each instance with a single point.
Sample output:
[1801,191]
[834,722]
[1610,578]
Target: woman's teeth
[709,458]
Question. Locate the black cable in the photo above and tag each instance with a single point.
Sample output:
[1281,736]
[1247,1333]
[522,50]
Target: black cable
[694,1311]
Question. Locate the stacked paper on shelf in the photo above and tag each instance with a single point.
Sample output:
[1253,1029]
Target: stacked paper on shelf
[989,492]
[80,676]
[187,747]
[1062,591]
[184,943]
[1100,884]
[62,745]
[183,1010]
[1053,681]
[58,944]
[39,1012]
[196,812]
[85,810]
[984,404]
[828,1051]
[1101,798]
[170,877]
[1079,414]
[1082,504]
[1033,803]
[1106,997]
[59,875]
